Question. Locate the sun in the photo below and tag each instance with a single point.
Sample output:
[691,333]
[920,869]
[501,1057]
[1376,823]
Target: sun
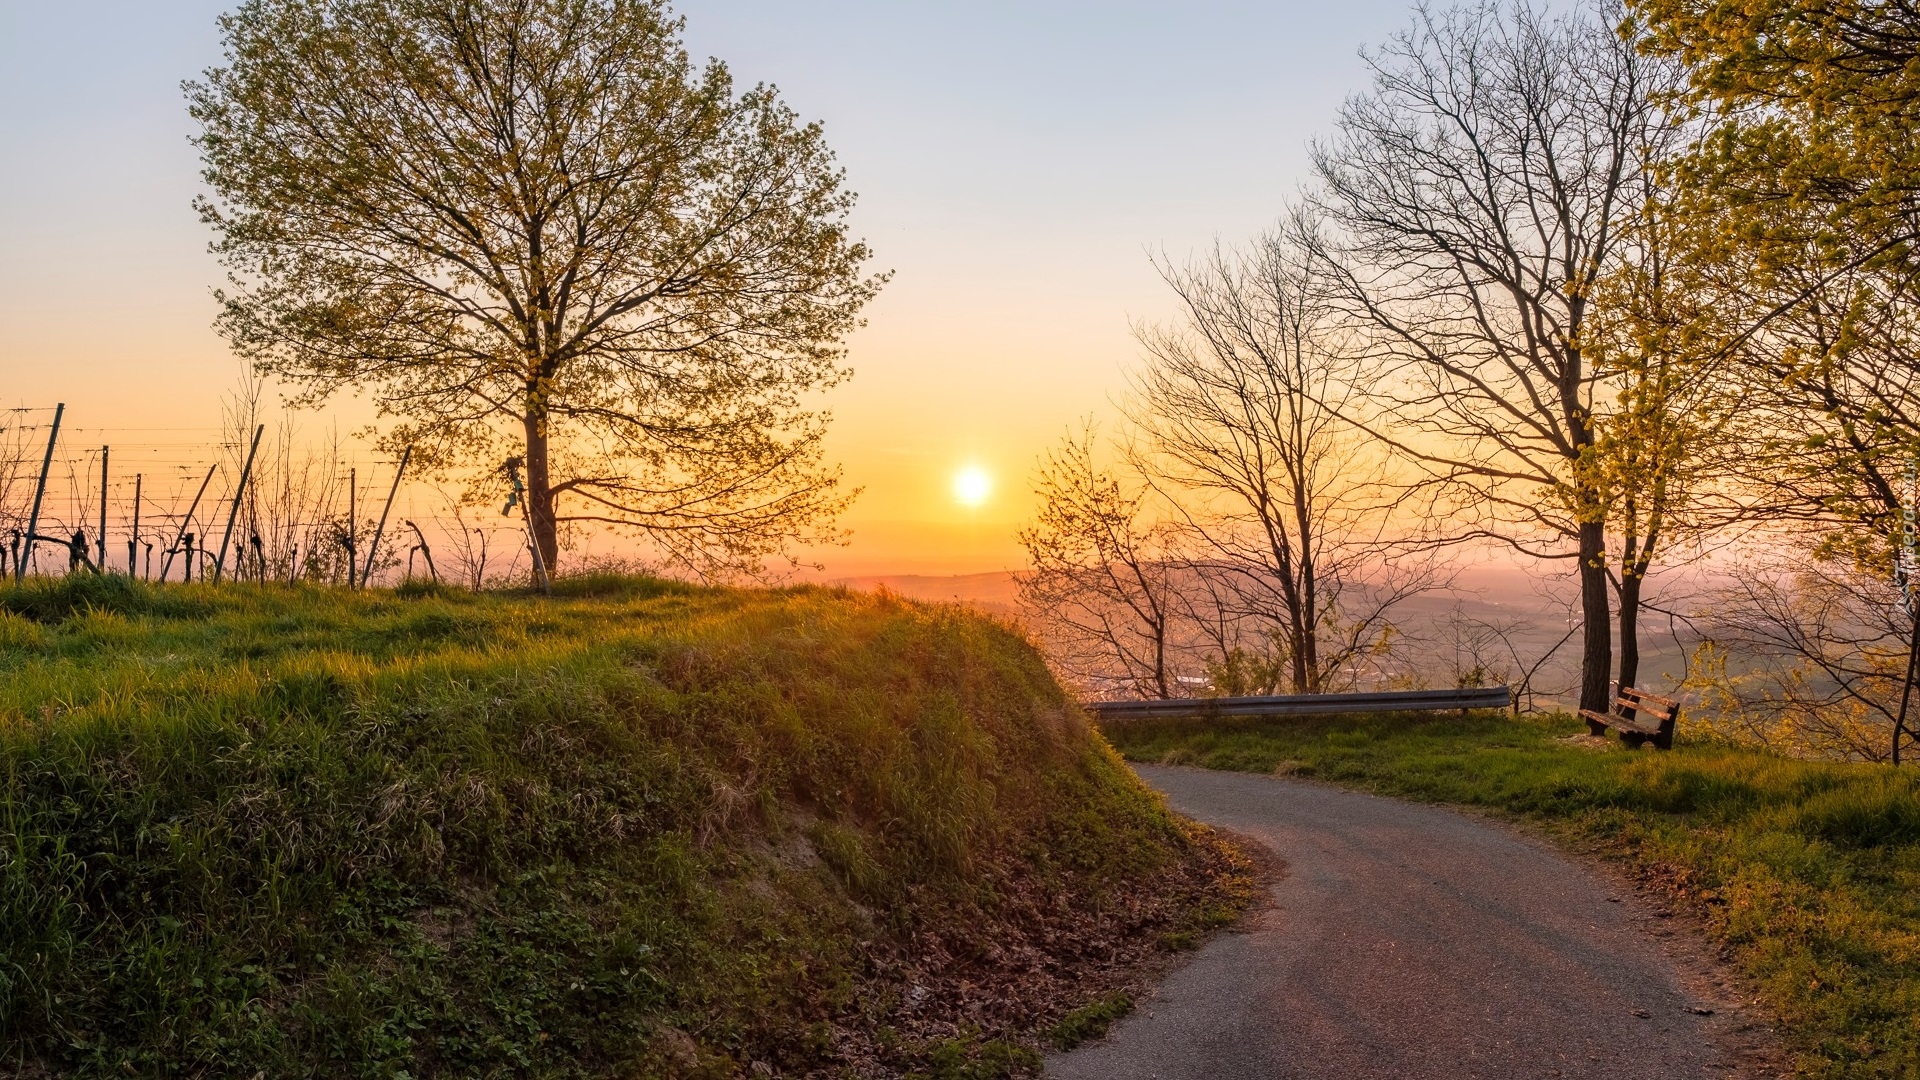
[972,486]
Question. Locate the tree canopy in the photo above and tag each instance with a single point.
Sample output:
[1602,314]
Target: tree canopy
[535,227]
[1817,102]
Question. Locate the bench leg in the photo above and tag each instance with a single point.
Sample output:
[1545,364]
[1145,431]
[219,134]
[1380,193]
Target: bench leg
[1595,727]
[1664,740]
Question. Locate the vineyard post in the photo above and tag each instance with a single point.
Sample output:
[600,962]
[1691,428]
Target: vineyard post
[133,538]
[353,529]
[100,541]
[239,492]
[185,524]
[374,548]
[39,492]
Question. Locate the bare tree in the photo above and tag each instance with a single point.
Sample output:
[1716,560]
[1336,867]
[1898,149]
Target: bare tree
[1805,651]
[534,226]
[469,544]
[19,439]
[1480,189]
[1239,413]
[1496,648]
[295,500]
[1101,589]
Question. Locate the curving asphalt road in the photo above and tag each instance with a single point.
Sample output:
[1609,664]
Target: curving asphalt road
[1410,942]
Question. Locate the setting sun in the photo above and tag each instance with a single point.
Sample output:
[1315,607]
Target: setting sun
[972,486]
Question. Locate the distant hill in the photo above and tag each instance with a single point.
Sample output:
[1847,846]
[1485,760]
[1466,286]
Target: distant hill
[1491,613]
[993,592]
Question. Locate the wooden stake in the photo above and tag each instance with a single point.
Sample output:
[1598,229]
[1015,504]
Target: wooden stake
[133,538]
[185,524]
[353,529]
[100,542]
[39,492]
[367,572]
[240,492]
[512,467]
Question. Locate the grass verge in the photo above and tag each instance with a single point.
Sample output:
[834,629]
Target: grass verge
[1091,1021]
[637,829]
[1807,873]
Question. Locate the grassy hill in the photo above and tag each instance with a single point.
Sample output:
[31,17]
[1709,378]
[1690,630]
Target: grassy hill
[1807,873]
[637,829]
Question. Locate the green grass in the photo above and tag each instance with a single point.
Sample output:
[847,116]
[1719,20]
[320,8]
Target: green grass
[1807,872]
[1091,1021]
[638,829]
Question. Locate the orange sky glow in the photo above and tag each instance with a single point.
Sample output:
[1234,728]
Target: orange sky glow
[1016,165]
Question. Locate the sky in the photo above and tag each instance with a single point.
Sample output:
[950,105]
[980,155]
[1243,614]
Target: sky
[1017,164]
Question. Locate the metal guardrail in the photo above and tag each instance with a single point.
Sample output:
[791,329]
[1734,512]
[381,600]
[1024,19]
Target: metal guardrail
[1487,697]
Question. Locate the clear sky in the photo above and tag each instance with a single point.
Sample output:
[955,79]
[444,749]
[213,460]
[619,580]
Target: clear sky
[1016,163]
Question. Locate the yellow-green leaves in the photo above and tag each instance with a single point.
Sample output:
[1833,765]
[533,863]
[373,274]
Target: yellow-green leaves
[519,220]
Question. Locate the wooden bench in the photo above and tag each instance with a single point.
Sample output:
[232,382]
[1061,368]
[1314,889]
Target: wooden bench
[1639,717]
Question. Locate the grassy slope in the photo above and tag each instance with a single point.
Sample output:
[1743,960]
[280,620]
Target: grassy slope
[1809,872]
[642,830]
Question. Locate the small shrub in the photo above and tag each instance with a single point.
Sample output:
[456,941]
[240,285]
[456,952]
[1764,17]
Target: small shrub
[845,853]
[967,1059]
[609,585]
[429,589]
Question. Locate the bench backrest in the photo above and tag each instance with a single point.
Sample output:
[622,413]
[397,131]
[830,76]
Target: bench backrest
[1642,703]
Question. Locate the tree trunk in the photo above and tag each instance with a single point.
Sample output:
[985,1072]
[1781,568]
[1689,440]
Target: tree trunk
[1309,631]
[1298,647]
[1630,582]
[1596,657]
[1160,683]
[540,491]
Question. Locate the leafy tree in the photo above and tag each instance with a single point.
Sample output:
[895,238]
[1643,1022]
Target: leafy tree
[1666,447]
[1810,174]
[1817,102]
[535,227]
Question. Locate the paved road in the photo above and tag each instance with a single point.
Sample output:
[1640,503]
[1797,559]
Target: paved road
[1412,942]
